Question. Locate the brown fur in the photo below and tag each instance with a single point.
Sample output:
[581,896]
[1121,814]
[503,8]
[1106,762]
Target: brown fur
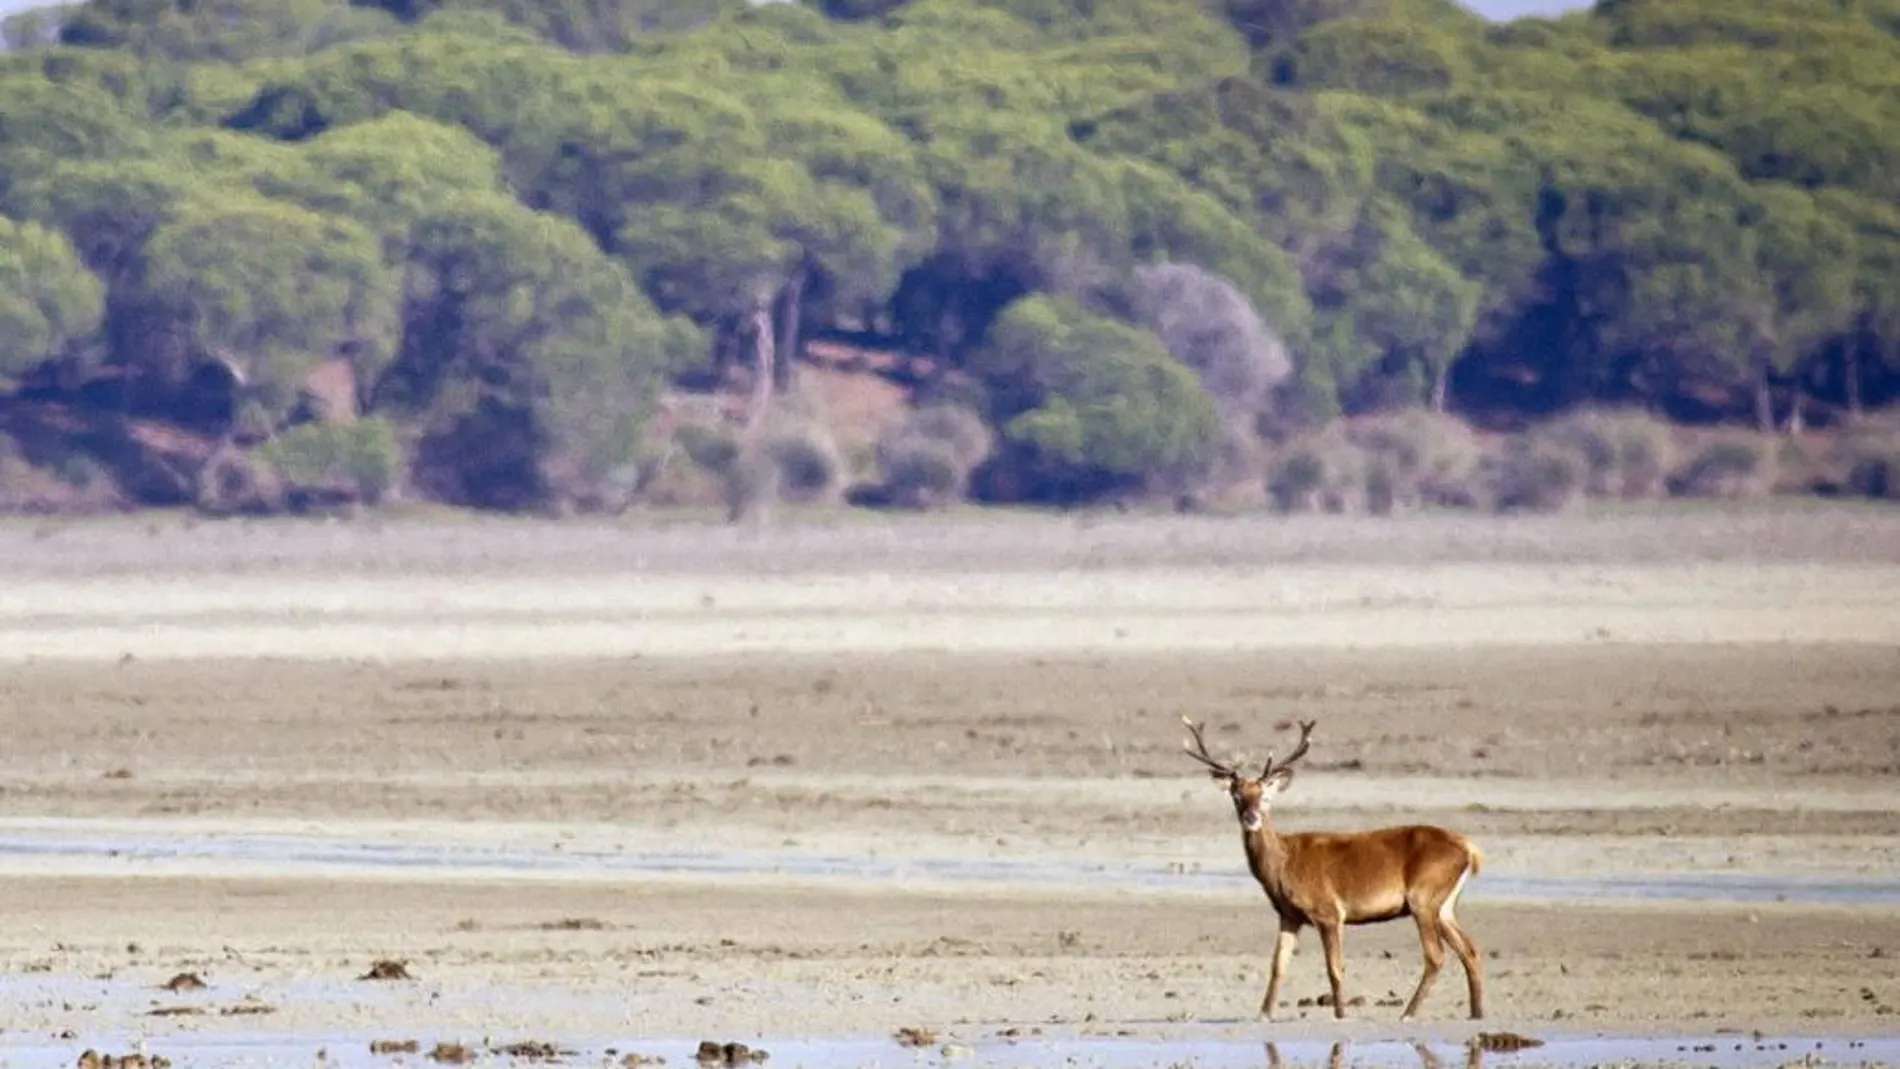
[1333,879]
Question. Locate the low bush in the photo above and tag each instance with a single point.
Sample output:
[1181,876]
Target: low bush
[1865,462]
[363,459]
[1418,458]
[926,461]
[1730,467]
[1319,472]
[712,447]
[810,467]
[1537,474]
[1626,454]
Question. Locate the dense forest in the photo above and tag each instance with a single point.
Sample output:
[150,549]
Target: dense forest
[1330,254]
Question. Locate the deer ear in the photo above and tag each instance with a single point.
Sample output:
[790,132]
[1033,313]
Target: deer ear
[1220,777]
[1278,780]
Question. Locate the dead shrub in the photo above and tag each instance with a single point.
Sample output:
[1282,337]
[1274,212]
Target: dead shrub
[960,428]
[921,473]
[1208,324]
[926,461]
[1418,458]
[77,484]
[809,464]
[689,468]
[1728,467]
[794,462]
[1319,472]
[1536,474]
[709,446]
[1626,454]
[236,483]
[750,486]
[1865,462]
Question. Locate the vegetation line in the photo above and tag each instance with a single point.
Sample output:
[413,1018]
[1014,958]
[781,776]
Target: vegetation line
[1363,257]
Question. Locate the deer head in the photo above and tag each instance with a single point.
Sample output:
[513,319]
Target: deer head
[1252,797]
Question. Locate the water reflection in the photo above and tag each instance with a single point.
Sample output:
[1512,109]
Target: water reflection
[81,846]
[1336,1057]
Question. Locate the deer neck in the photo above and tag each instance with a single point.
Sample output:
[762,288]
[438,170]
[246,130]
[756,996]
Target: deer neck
[1266,855]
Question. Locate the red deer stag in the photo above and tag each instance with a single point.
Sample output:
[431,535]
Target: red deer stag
[1330,880]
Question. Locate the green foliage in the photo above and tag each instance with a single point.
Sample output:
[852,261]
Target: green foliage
[364,458]
[388,170]
[519,311]
[1465,192]
[1393,302]
[227,30]
[581,25]
[47,297]
[44,123]
[1112,223]
[269,288]
[1379,57]
[1091,402]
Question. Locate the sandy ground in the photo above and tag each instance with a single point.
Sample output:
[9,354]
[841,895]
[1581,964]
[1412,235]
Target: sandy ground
[948,795]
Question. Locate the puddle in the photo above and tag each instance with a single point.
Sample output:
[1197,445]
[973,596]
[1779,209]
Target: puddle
[240,853]
[350,1051]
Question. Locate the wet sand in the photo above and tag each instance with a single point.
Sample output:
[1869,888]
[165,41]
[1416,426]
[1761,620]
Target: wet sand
[795,800]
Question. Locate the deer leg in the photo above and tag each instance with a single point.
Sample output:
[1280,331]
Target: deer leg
[1329,938]
[1468,956]
[1461,942]
[1288,938]
[1434,944]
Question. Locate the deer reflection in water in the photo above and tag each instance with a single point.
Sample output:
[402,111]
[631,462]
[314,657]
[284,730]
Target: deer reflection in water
[1336,1057]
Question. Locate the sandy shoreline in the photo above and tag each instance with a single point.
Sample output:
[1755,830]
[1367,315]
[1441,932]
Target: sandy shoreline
[847,801]
[1321,607]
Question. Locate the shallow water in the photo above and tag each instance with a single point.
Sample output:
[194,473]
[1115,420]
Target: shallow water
[342,1050]
[60,848]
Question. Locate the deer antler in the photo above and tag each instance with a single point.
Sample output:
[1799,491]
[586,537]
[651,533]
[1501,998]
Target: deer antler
[1306,741]
[1196,748]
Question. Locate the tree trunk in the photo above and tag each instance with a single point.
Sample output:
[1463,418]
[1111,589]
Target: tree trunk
[1441,384]
[790,314]
[765,373]
[1764,399]
[1797,412]
[725,341]
[1851,379]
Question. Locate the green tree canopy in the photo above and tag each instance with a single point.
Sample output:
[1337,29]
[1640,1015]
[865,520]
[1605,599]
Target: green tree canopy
[517,326]
[1090,405]
[269,288]
[47,297]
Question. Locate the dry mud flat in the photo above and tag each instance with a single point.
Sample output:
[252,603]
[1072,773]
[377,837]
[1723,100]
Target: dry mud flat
[627,800]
